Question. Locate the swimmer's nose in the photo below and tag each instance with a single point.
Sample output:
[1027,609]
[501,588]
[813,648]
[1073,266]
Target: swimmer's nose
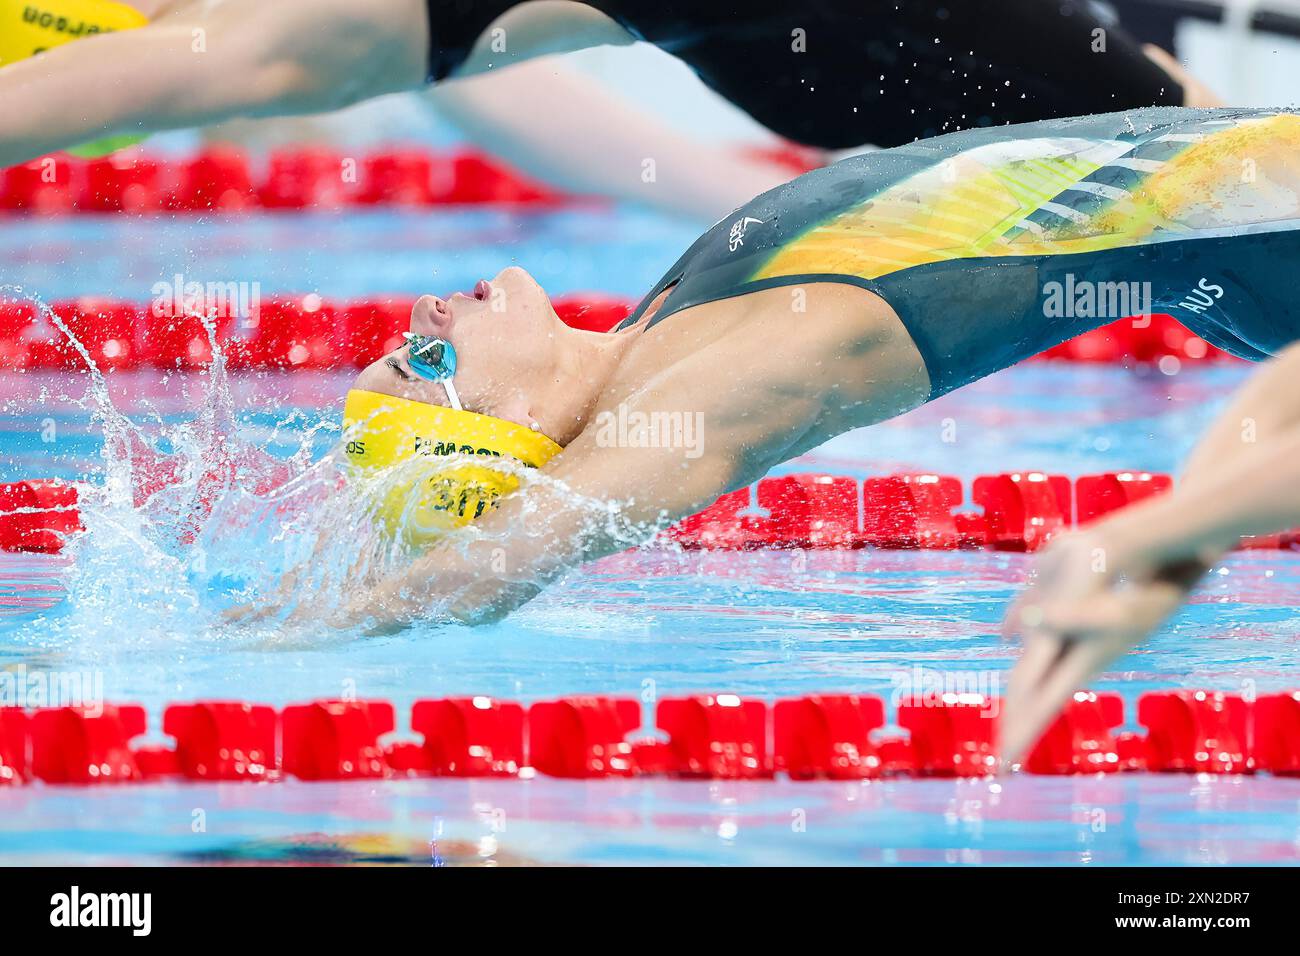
[430,315]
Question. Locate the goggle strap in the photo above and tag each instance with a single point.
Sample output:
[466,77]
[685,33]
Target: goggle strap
[451,394]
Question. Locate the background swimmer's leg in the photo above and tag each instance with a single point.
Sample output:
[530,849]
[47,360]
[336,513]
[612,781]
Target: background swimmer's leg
[588,144]
[1195,93]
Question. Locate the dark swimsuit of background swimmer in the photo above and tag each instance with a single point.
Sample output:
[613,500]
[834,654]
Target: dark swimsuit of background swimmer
[841,73]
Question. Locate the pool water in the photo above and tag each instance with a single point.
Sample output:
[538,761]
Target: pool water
[648,623]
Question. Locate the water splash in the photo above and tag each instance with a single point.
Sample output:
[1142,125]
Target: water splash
[187,519]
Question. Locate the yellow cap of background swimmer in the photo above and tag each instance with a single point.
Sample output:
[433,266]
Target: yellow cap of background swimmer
[28,27]
[382,431]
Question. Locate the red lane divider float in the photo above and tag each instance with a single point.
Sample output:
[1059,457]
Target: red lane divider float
[218,740]
[585,737]
[1098,495]
[284,331]
[470,736]
[225,180]
[716,735]
[915,511]
[828,736]
[1196,731]
[37,515]
[1155,339]
[955,739]
[335,740]
[1277,727]
[1022,511]
[279,332]
[1083,739]
[13,745]
[711,736]
[70,745]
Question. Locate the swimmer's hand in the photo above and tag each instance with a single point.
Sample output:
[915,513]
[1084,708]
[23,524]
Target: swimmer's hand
[269,607]
[1094,596]
[263,610]
[245,614]
[444,585]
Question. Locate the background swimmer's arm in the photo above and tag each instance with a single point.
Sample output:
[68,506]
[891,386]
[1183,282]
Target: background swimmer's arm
[1243,477]
[1264,410]
[1081,612]
[204,63]
[562,126]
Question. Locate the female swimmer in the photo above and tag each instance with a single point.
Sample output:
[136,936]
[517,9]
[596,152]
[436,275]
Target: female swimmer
[822,72]
[835,301]
[1080,614]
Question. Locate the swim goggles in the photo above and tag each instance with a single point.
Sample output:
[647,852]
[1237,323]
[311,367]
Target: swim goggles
[434,360]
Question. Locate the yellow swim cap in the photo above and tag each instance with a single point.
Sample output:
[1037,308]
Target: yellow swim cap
[28,27]
[382,431]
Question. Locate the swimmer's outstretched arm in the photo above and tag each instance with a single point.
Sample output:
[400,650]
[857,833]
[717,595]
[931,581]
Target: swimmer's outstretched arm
[206,62]
[1102,590]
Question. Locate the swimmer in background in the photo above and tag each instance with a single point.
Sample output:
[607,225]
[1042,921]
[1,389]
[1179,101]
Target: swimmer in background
[1103,589]
[823,73]
[846,297]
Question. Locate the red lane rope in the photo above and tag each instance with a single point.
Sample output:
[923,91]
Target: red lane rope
[223,180]
[312,332]
[1021,511]
[827,736]
[280,332]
